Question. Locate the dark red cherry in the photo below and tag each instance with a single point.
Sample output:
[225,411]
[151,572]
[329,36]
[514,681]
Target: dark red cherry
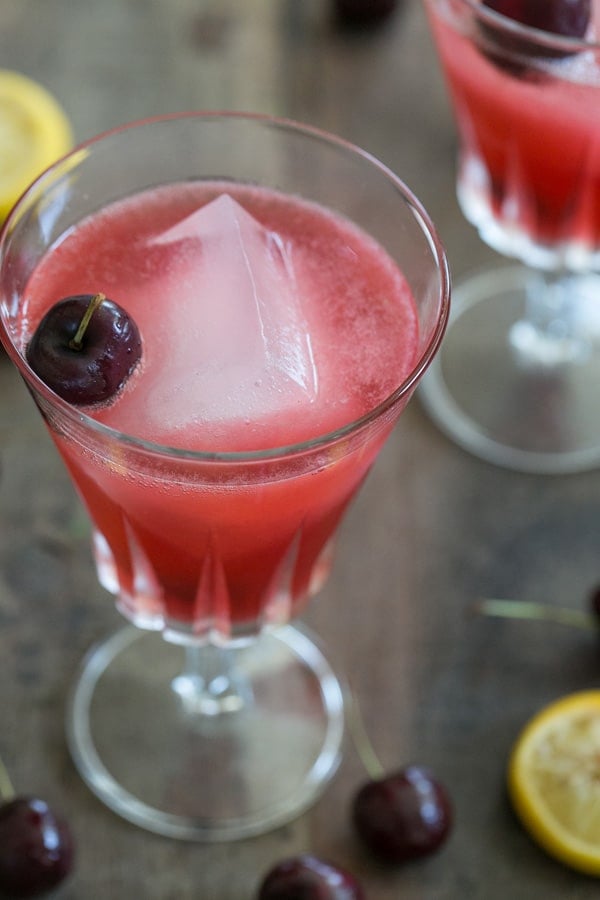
[594,603]
[403,816]
[36,848]
[85,362]
[569,18]
[362,13]
[514,52]
[309,878]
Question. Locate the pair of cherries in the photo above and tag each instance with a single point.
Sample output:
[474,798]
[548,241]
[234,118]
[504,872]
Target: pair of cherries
[399,817]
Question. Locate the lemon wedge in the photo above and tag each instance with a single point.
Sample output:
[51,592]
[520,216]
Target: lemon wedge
[34,132]
[554,780]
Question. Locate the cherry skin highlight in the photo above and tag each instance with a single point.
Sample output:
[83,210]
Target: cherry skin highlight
[36,848]
[403,816]
[87,366]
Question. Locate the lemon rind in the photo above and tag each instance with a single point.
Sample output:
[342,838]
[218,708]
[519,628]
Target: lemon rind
[536,817]
[50,135]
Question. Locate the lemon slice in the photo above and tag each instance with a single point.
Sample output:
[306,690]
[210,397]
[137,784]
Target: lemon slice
[554,780]
[34,132]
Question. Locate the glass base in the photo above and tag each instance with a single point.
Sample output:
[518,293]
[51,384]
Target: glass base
[509,395]
[152,748]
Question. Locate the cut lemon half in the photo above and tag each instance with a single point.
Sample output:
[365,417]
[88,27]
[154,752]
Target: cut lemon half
[34,133]
[554,780]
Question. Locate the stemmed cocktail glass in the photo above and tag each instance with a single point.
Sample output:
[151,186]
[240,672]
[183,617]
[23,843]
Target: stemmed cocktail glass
[517,380]
[211,717]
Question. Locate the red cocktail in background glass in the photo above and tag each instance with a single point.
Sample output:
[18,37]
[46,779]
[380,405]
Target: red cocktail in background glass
[516,381]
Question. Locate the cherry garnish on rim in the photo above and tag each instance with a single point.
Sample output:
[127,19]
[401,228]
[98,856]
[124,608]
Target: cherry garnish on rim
[85,348]
[569,18]
[307,877]
[515,52]
[36,846]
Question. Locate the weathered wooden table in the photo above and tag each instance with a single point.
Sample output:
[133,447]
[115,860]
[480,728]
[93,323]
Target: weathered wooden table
[433,529]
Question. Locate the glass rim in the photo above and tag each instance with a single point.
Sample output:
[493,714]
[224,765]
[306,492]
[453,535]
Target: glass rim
[83,419]
[499,22]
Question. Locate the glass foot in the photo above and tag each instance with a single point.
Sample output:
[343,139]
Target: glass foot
[243,761]
[510,392]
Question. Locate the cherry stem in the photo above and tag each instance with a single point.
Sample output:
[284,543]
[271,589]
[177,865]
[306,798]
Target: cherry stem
[517,609]
[361,740]
[76,342]
[7,791]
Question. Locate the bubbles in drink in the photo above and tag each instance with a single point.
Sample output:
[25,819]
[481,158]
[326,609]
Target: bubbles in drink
[265,320]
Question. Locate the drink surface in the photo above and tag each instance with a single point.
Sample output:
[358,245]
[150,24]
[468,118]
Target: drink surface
[529,174]
[264,321]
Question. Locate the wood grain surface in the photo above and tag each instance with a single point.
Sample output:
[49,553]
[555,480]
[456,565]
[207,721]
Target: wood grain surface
[432,530]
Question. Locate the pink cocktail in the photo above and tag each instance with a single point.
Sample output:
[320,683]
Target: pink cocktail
[525,103]
[289,292]
[241,354]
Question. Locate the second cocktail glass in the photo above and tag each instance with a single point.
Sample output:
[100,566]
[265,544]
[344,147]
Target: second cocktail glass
[516,383]
[214,718]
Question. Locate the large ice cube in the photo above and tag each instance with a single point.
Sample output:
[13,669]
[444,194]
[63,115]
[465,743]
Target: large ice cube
[240,338]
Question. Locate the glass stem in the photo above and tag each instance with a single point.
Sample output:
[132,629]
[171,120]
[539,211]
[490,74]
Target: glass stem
[210,683]
[550,333]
